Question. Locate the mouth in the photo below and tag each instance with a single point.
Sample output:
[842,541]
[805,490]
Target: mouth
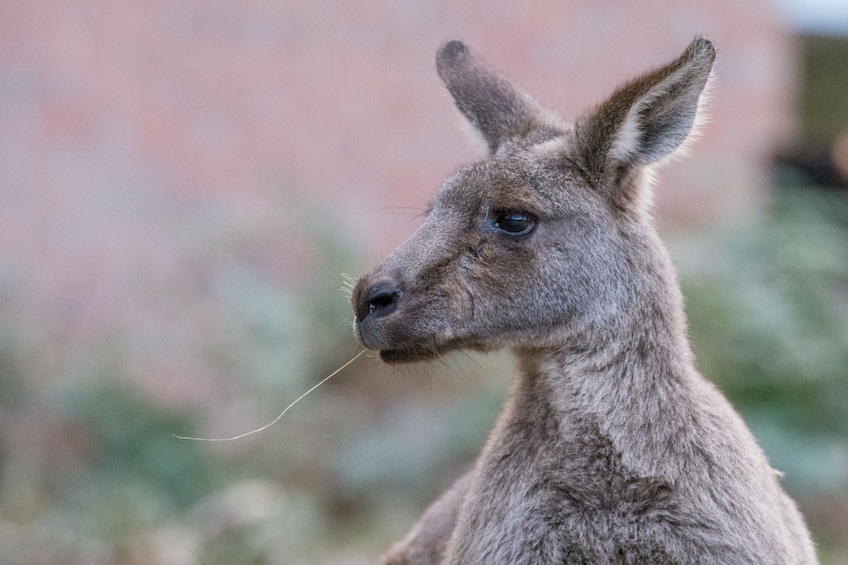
[428,351]
[412,351]
[410,354]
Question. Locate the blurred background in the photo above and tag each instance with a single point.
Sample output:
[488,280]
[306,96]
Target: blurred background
[185,185]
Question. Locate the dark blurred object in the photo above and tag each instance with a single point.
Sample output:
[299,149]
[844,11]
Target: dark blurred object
[821,153]
[822,165]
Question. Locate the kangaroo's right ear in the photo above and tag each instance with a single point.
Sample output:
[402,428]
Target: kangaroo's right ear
[496,108]
[647,119]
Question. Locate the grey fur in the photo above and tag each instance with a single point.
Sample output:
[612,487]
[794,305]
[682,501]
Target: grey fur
[612,448]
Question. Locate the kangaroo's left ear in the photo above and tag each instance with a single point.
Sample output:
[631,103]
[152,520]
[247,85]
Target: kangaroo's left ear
[647,119]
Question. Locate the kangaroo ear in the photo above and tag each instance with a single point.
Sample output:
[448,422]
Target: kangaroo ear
[497,109]
[647,119]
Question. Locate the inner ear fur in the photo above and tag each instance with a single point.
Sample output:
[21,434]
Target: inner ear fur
[647,120]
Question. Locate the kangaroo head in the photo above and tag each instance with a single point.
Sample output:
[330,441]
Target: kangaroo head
[546,238]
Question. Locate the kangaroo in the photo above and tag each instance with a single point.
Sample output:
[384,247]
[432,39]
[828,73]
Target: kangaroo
[611,448]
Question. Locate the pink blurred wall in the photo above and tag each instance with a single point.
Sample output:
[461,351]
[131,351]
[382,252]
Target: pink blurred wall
[123,122]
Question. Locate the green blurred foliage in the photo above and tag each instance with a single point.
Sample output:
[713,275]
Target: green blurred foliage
[91,473]
[769,320]
[135,458]
[90,470]
[768,313]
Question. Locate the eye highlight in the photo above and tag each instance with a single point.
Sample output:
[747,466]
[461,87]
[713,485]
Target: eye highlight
[512,222]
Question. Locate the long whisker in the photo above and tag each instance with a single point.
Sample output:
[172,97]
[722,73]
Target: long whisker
[277,419]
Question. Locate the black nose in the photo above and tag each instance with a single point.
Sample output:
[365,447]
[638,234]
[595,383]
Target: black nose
[379,300]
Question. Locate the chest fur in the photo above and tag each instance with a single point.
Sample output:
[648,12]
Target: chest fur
[570,502]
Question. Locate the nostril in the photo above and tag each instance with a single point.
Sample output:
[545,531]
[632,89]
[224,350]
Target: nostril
[382,300]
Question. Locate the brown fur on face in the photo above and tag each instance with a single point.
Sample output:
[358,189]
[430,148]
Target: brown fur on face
[612,448]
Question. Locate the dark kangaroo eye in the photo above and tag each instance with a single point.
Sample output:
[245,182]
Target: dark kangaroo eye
[514,223]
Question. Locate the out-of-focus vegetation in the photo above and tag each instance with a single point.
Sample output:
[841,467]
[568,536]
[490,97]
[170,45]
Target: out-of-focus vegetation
[90,472]
[768,312]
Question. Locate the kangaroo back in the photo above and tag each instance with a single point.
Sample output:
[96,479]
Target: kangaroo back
[611,448]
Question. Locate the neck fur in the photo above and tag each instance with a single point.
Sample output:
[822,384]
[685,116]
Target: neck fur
[633,381]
